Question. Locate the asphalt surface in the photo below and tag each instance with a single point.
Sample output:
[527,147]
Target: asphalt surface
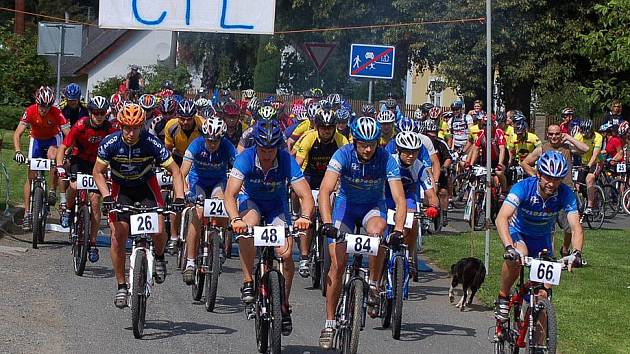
[47,309]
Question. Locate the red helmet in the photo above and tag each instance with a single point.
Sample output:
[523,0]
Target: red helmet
[231,109]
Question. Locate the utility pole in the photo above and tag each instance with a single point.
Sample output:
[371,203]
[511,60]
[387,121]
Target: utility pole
[19,17]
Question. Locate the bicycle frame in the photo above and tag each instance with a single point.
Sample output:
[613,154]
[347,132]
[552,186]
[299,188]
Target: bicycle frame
[353,271]
[400,251]
[209,224]
[143,243]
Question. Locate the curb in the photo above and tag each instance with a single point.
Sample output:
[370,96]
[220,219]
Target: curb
[7,221]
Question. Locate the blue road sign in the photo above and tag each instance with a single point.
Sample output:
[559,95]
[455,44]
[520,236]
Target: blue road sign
[372,61]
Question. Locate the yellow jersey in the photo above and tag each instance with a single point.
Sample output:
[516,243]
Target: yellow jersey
[525,147]
[386,138]
[595,142]
[473,132]
[315,154]
[443,132]
[302,128]
[176,139]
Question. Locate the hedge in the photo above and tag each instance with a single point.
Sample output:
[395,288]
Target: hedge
[10,116]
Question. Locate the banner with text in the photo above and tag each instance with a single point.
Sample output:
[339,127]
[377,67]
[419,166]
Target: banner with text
[229,16]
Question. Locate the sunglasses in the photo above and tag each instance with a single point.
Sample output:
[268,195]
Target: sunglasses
[186,118]
[554,134]
[99,113]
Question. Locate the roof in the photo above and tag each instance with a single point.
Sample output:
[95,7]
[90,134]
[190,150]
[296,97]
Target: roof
[96,42]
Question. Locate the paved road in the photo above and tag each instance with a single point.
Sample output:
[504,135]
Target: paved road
[47,309]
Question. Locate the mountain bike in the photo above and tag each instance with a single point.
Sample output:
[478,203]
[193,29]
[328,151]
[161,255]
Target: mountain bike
[80,230]
[209,258]
[143,224]
[529,311]
[595,219]
[612,179]
[319,259]
[38,201]
[475,211]
[268,286]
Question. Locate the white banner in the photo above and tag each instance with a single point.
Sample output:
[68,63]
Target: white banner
[230,16]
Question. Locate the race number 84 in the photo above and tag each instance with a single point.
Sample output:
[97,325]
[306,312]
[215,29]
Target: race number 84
[362,244]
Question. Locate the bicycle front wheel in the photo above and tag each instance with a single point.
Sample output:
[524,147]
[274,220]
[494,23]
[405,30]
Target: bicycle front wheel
[138,294]
[212,278]
[613,200]
[397,301]
[38,215]
[275,302]
[315,266]
[83,240]
[596,219]
[626,201]
[478,212]
[547,314]
[354,311]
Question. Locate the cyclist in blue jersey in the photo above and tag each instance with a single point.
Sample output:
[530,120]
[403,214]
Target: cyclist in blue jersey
[362,168]
[525,221]
[414,177]
[132,154]
[263,172]
[205,166]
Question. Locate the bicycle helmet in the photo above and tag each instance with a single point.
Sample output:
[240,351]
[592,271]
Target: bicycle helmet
[147,102]
[253,105]
[168,106]
[334,99]
[278,105]
[501,118]
[457,104]
[325,104]
[45,96]
[317,93]
[408,141]
[520,127]
[267,134]
[422,127]
[366,129]
[167,85]
[518,116]
[268,100]
[249,93]
[586,126]
[302,116]
[231,109]
[72,92]
[312,110]
[213,128]
[202,102]
[386,117]
[448,115]
[426,107]
[390,103]
[267,113]
[343,115]
[553,164]
[434,112]
[131,115]
[430,126]
[567,112]
[186,108]
[368,109]
[574,130]
[296,109]
[407,125]
[623,128]
[98,103]
[417,114]
[325,117]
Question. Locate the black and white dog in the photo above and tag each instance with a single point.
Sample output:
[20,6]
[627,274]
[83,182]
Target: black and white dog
[470,272]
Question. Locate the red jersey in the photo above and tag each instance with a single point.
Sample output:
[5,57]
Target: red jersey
[613,145]
[43,127]
[497,140]
[85,138]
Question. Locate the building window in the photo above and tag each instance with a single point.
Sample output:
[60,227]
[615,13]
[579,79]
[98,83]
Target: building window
[435,91]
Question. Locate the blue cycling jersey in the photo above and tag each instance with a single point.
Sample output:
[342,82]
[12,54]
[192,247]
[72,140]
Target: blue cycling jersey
[534,216]
[270,186]
[133,165]
[206,166]
[363,183]
[412,177]
[423,156]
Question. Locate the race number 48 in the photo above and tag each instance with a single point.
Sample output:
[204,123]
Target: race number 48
[269,236]
[545,272]
[361,244]
[146,223]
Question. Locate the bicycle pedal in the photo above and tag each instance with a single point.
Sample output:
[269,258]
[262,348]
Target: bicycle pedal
[249,312]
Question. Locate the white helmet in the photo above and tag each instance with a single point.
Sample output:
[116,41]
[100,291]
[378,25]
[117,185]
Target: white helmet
[213,128]
[202,102]
[408,140]
[386,117]
[249,93]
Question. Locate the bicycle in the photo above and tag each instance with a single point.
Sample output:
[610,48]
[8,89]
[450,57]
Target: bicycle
[595,220]
[80,230]
[475,211]
[512,335]
[209,258]
[38,201]
[143,223]
[352,306]
[268,286]
[319,259]
[613,184]
[396,285]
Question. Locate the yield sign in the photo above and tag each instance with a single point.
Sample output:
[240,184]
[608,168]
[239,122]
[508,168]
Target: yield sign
[319,53]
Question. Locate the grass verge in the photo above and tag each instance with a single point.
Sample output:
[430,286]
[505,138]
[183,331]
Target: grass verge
[592,302]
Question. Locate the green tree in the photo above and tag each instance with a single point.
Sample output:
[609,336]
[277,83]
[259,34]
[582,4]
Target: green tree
[267,70]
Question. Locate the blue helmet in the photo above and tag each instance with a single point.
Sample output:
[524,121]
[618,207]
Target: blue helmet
[366,129]
[268,100]
[343,115]
[407,125]
[72,92]
[267,134]
[553,164]
[457,104]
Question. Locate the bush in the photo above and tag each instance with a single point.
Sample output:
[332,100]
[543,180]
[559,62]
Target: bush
[153,76]
[267,70]
[107,87]
[10,116]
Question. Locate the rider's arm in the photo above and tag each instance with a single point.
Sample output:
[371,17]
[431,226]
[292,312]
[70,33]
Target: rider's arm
[99,171]
[577,233]
[594,156]
[326,188]
[502,154]
[185,168]
[503,218]
[530,161]
[472,155]
[178,181]
[61,152]
[580,146]
[231,191]
[17,134]
[398,195]
[303,191]
[435,167]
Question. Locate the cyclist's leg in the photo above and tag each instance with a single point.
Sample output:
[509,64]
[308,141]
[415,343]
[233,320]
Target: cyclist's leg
[343,219]
[119,225]
[250,213]
[33,152]
[510,270]
[375,223]
[590,191]
[285,253]
[194,229]
[95,202]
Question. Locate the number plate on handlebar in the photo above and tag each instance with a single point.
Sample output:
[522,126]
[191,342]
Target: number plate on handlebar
[621,167]
[85,182]
[362,244]
[479,171]
[146,223]
[391,220]
[40,164]
[265,236]
[545,272]
[575,174]
[214,207]
[164,178]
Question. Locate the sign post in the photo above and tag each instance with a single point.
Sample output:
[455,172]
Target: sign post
[373,62]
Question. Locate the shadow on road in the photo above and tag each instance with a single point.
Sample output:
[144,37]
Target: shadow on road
[419,293]
[420,331]
[98,272]
[27,238]
[302,349]
[162,329]
[430,276]
[224,305]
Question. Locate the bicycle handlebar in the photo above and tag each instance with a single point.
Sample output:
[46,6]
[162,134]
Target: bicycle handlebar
[120,208]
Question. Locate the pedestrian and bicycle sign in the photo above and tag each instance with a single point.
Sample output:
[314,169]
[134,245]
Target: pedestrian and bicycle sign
[372,61]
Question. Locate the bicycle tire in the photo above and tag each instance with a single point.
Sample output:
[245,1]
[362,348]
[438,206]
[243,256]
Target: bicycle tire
[477,214]
[611,197]
[200,278]
[261,324]
[181,247]
[212,278]
[397,301]
[138,294]
[274,289]
[83,240]
[626,201]
[37,213]
[227,243]
[596,220]
[315,265]
[459,192]
[552,325]
[355,307]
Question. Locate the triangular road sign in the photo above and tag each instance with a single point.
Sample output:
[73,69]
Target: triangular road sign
[319,53]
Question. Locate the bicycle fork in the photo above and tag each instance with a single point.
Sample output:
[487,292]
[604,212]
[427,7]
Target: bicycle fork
[150,260]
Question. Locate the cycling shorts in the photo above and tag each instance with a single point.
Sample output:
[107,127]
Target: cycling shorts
[346,216]
[314,181]
[274,212]
[443,180]
[38,148]
[534,245]
[208,191]
[411,203]
[148,195]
